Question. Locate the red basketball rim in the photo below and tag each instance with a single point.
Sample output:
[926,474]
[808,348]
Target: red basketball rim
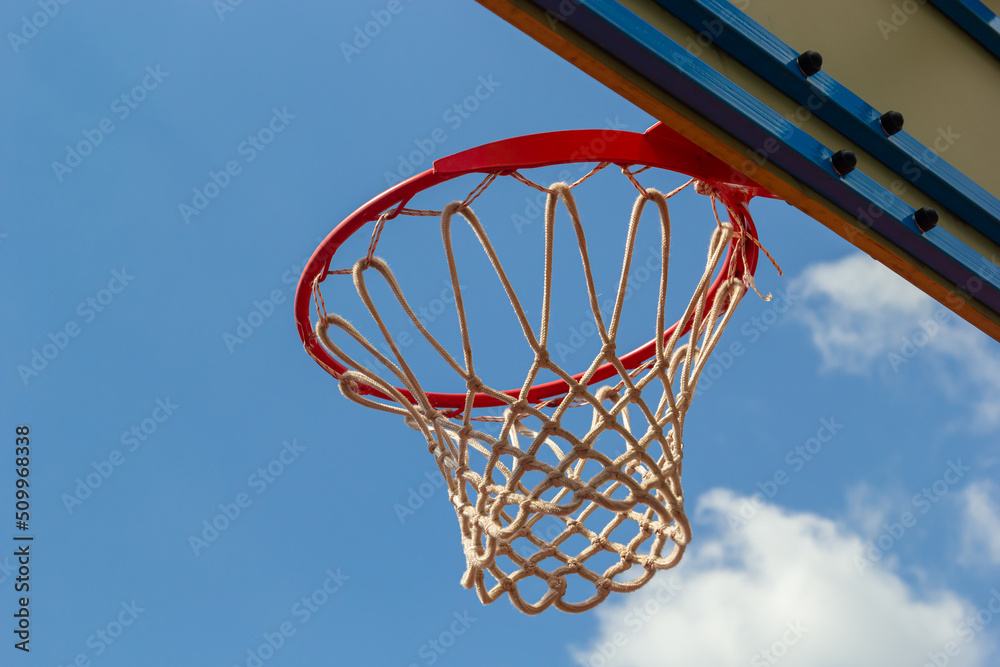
[659,147]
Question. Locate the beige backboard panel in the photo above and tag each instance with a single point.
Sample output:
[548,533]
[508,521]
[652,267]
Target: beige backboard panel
[725,75]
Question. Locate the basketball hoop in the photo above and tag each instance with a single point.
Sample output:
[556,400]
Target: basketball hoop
[503,487]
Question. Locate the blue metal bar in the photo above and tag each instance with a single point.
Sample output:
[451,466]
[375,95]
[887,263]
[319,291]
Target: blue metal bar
[820,94]
[976,19]
[668,65]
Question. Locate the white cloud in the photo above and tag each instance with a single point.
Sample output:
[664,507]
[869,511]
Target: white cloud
[868,508]
[857,310]
[785,583]
[981,524]
[862,316]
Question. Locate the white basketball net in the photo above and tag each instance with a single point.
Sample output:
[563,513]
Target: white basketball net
[614,506]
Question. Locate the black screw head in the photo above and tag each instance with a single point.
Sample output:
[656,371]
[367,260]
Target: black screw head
[926,218]
[844,162]
[891,122]
[809,62]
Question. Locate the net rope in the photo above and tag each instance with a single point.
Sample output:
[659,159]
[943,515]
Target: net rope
[540,502]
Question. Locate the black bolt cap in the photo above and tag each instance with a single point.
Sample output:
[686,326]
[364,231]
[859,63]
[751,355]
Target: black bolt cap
[844,162]
[926,218]
[891,122]
[810,62]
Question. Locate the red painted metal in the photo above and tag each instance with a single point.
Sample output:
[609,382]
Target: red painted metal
[659,147]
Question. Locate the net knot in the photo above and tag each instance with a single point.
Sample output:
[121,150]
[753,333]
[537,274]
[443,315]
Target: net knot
[452,208]
[519,407]
[465,431]
[526,461]
[551,425]
[572,565]
[542,358]
[704,188]
[545,552]
[599,541]
[431,416]
[608,421]
[608,351]
[603,586]
[665,531]
[475,385]
[557,584]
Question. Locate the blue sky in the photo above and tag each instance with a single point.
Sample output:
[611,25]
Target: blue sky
[840,470]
